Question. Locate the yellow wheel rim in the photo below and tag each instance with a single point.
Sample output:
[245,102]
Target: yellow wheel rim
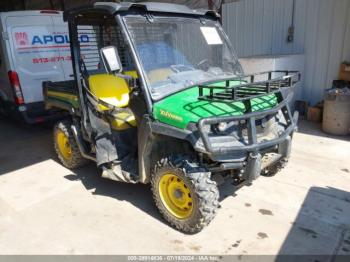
[176,196]
[63,145]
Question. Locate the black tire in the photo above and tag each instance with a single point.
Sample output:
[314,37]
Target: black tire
[3,112]
[203,190]
[272,170]
[76,159]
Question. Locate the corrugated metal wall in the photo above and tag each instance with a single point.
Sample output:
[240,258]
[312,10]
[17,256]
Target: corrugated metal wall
[322,32]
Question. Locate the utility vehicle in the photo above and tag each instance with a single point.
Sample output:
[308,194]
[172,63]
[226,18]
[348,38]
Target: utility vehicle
[159,97]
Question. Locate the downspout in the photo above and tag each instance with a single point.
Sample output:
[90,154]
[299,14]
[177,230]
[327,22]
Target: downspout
[210,4]
[291,29]
[63,7]
[220,10]
[52,5]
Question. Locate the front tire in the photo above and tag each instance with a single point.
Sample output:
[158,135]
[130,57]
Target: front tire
[184,194]
[66,147]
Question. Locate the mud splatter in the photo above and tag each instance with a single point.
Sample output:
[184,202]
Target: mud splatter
[248,204]
[262,235]
[178,245]
[345,170]
[237,243]
[195,248]
[266,212]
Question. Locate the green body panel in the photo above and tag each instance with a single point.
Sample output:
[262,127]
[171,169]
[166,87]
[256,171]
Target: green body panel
[179,109]
[61,99]
[184,107]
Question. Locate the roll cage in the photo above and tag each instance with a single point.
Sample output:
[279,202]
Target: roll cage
[102,13]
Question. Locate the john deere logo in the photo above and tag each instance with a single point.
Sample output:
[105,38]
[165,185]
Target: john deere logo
[171,116]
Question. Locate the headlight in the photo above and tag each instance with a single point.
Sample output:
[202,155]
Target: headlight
[222,127]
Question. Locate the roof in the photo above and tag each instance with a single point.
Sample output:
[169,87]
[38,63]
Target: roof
[154,7]
[31,12]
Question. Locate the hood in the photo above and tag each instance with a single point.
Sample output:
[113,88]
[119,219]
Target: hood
[184,107]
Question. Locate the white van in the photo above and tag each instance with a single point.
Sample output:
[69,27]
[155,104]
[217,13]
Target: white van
[34,48]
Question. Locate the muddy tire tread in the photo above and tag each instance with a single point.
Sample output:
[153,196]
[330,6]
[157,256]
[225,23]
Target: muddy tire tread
[77,159]
[205,189]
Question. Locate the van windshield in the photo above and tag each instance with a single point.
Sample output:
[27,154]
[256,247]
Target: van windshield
[177,53]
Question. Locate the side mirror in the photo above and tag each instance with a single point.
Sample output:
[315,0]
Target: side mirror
[111,59]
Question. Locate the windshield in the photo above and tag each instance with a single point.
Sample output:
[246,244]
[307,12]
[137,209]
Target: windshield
[177,53]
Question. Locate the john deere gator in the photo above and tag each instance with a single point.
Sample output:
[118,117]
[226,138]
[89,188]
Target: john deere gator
[160,97]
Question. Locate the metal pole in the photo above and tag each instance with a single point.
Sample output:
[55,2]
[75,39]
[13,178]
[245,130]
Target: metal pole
[8,7]
[52,5]
[220,10]
[63,7]
[210,4]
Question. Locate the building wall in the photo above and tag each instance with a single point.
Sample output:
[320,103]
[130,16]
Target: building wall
[322,32]
[287,62]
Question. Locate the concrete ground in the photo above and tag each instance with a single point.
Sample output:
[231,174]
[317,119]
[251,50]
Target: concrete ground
[48,209]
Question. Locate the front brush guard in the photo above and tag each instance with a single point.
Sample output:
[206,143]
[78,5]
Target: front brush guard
[253,146]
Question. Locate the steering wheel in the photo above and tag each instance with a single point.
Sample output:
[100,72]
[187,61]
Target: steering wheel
[203,64]
[181,68]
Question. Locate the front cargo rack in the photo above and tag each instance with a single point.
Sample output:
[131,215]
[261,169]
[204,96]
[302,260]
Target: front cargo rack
[249,88]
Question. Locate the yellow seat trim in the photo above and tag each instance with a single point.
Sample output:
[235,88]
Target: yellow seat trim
[123,121]
[110,89]
[133,74]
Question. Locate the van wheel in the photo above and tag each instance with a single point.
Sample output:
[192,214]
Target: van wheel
[184,194]
[66,147]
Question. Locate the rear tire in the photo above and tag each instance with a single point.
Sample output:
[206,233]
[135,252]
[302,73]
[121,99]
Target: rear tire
[66,147]
[197,200]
